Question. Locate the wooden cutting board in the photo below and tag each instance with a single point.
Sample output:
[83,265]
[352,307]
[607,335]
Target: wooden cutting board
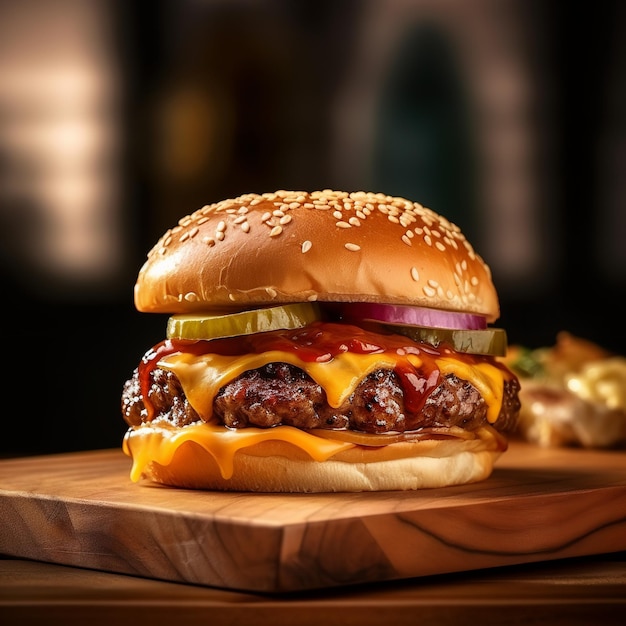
[81,509]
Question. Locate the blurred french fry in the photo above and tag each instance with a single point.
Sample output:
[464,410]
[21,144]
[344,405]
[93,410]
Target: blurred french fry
[572,393]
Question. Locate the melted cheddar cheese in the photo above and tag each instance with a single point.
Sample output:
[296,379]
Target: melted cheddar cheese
[201,376]
[160,444]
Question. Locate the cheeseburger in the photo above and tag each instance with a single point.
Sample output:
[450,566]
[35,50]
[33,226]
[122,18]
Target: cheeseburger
[324,341]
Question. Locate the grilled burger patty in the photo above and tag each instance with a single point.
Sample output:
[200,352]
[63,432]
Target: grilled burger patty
[280,393]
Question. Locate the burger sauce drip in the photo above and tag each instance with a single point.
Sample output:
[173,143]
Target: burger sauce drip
[319,342]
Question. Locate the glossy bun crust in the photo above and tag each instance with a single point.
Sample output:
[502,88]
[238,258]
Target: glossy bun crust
[292,246]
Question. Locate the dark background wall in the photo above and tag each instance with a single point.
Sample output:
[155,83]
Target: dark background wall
[220,98]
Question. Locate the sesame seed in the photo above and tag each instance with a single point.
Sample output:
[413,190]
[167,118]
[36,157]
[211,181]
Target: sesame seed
[191,297]
[349,210]
[271,292]
[312,297]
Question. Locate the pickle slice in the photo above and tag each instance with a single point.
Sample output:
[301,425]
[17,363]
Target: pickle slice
[193,326]
[491,341]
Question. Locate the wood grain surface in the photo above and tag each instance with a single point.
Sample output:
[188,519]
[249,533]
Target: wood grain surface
[581,591]
[81,509]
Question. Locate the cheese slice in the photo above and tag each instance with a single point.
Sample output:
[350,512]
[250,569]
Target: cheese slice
[201,376]
[159,444]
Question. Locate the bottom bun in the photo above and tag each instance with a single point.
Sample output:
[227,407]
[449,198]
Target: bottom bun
[278,466]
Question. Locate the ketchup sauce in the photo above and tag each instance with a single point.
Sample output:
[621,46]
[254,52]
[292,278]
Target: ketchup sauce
[321,342]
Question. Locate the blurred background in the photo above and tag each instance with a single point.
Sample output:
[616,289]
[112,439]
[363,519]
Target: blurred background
[118,118]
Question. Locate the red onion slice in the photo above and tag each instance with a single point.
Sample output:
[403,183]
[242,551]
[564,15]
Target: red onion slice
[411,315]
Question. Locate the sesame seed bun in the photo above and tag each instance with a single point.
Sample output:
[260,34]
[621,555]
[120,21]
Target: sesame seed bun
[333,246]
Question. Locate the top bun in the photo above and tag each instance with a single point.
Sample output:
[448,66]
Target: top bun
[333,246]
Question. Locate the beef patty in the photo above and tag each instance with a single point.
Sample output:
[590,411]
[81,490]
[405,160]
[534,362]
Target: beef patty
[279,393]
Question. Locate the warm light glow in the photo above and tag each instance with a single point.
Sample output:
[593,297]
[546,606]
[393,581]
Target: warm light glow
[59,128]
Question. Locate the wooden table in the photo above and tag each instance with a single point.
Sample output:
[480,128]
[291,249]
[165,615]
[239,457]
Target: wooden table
[582,590]
[542,541]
